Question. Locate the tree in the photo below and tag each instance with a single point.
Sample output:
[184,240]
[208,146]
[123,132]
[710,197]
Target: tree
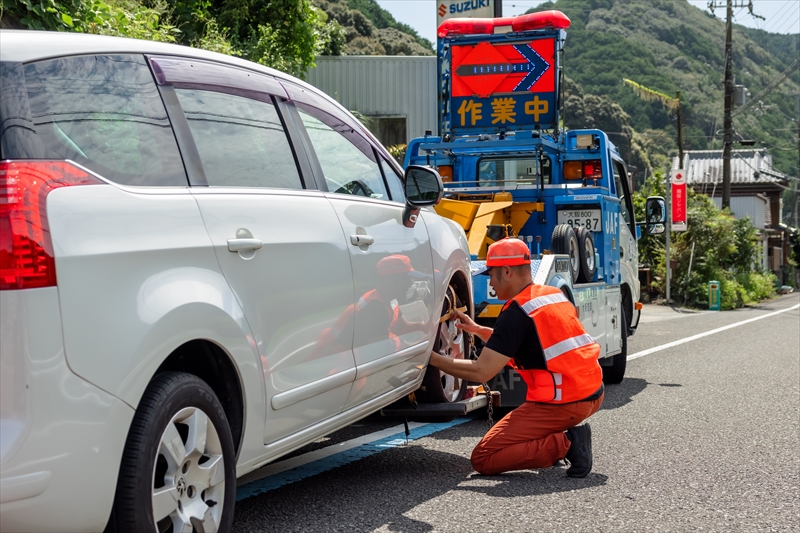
[283,34]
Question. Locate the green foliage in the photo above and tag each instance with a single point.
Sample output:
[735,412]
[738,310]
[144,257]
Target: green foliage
[719,247]
[284,34]
[398,151]
[114,17]
[383,19]
[370,30]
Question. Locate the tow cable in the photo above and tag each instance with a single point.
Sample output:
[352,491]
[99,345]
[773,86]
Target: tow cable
[473,354]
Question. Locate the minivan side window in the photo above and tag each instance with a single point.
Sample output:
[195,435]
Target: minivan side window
[394,181]
[348,161]
[241,141]
[105,113]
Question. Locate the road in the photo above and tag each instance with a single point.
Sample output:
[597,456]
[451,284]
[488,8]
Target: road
[702,435]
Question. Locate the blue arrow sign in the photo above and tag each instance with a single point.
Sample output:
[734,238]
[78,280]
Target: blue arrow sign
[538,66]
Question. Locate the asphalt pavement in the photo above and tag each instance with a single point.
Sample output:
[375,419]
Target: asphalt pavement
[702,435]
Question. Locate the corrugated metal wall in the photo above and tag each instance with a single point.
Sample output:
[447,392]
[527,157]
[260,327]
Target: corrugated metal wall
[398,86]
[754,207]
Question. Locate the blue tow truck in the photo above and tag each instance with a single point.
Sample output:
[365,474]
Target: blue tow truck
[510,169]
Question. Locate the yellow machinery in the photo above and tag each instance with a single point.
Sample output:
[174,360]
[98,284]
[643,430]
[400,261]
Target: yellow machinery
[476,213]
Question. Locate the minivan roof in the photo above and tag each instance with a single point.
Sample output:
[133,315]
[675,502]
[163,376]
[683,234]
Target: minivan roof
[23,46]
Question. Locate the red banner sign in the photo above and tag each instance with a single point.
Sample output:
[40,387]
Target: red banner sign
[678,200]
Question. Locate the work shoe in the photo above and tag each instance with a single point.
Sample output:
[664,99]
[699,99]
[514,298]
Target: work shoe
[579,454]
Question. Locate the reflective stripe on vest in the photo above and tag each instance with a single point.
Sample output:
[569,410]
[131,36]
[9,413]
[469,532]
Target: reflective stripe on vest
[571,371]
[567,345]
[541,301]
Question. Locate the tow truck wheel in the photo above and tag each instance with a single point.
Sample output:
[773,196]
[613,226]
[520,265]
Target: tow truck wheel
[565,242]
[613,374]
[438,387]
[586,249]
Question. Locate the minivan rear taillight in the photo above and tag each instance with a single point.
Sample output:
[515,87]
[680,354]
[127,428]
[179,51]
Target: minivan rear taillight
[26,251]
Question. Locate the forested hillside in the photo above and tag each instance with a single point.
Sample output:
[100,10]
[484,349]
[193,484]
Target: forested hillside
[371,30]
[669,45]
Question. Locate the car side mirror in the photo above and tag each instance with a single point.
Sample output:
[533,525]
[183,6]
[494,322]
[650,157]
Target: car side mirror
[423,188]
[656,215]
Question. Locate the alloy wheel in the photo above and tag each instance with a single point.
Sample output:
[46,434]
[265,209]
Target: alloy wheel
[189,475]
[452,344]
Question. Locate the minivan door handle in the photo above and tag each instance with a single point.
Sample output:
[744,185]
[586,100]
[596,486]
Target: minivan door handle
[242,245]
[361,240]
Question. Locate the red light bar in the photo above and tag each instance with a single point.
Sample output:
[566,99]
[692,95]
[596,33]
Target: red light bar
[544,20]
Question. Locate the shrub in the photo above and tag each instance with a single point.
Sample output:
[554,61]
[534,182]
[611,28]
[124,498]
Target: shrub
[716,246]
[398,151]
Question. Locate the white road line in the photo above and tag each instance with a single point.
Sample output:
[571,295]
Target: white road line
[705,334]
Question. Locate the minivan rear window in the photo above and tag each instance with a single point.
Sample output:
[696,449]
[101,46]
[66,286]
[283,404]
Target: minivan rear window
[105,113]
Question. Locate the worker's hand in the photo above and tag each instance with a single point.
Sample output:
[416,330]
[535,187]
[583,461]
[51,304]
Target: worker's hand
[465,323]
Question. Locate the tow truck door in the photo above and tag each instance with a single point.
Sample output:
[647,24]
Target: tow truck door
[628,249]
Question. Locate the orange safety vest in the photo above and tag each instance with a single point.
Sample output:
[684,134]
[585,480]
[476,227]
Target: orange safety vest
[571,371]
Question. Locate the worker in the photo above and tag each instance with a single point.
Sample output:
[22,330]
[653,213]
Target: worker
[539,335]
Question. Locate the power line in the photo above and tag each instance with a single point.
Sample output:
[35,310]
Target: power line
[768,89]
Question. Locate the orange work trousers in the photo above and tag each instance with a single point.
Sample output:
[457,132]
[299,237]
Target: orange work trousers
[530,436]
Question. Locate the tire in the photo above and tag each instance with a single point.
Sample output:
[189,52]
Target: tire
[161,484]
[612,375]
[586,252]
[438,387]
[565,242]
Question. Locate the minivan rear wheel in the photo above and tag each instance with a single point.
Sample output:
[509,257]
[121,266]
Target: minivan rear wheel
[177,472]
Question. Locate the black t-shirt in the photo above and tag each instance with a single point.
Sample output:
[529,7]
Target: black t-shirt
[515,336]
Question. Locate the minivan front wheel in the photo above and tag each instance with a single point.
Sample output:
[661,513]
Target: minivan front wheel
[177,472]
[437,386]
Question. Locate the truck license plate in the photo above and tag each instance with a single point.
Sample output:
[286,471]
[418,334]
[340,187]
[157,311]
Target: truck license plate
[588,218]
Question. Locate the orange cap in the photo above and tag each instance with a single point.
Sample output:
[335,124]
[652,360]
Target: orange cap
[394,264]
[506,252]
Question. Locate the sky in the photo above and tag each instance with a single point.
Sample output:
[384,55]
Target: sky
[782,16]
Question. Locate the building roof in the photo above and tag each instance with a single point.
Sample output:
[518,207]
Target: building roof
[748,167]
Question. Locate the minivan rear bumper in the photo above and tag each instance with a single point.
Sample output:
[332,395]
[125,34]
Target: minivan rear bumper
[61,438]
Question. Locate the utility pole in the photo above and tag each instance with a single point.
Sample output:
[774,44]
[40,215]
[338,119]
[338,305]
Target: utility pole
[727,124]
[727,121]
[667,270]
[680,134]
[794,196]
[793,217]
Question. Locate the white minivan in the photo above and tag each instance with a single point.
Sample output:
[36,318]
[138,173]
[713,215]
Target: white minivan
[204,265]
